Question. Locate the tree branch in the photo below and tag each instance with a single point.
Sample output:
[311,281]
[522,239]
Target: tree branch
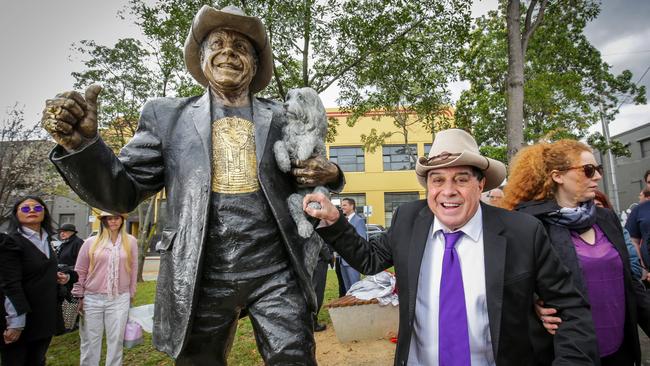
[365,55]
[530,28]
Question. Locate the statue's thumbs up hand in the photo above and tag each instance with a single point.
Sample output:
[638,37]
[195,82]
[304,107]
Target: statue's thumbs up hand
[71,119]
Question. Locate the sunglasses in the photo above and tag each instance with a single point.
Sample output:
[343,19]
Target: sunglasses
[589,169]
[36,208]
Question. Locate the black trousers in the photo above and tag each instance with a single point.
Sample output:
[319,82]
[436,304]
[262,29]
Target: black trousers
[339,276]
[30,353]
[277,308]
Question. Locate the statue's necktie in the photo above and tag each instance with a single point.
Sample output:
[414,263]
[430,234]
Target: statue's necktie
[453,336]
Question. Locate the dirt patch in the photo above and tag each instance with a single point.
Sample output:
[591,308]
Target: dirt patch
[331,352]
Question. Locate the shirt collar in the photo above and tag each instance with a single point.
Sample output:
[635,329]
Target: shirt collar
[472,228]
[29,233]
[350,217]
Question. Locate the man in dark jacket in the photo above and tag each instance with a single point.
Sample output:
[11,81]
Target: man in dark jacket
[70,245]
[230,243]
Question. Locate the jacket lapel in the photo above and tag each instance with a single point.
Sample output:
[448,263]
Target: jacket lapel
[262,117]
[494,249]
[421,228]
[201,117]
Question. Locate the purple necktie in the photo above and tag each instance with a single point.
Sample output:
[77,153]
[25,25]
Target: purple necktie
[453,337]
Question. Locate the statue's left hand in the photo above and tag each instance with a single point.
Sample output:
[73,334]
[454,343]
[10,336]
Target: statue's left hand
[316,171]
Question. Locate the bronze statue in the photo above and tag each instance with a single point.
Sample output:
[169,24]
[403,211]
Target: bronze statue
[230,245]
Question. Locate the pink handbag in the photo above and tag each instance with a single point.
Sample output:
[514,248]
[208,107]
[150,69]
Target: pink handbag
[132,334]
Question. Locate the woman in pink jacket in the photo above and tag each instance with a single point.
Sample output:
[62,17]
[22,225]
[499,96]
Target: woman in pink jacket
[107,266]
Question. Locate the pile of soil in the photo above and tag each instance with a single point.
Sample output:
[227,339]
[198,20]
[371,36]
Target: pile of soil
[331,352]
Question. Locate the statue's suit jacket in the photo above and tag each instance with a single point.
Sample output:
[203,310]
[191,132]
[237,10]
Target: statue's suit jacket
[519,261]
[172,149]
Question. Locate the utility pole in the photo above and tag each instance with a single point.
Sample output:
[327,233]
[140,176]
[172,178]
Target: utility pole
[613,193]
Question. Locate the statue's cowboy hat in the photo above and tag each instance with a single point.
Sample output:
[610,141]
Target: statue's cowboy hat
[232,18]
[455,147]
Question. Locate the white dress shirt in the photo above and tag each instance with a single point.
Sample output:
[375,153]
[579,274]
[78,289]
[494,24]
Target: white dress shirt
[423,349]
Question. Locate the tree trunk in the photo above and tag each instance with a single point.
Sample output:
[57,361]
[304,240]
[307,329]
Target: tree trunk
[515,86]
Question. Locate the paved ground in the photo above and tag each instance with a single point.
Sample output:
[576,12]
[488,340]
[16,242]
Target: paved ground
[151,272]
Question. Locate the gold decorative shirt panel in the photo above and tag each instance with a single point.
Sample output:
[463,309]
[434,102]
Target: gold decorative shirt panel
[234,164]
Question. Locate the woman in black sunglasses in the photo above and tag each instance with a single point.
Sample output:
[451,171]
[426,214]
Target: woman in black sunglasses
[557,182]
[31,312]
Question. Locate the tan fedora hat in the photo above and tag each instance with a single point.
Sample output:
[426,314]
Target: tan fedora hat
[455,147]
[232,18]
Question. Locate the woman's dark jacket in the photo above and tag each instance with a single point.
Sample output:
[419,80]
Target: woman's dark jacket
[637,301]
[28,279]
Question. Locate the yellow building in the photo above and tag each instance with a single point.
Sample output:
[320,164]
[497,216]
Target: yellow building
[381,180]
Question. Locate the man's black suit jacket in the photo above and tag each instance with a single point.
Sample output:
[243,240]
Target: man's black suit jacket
[519,262]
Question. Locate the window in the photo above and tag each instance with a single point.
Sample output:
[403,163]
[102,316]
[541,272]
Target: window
[397,157]
[349,158]
[645,148]
[66,219]
[427,148]
[359,200]
[392,200]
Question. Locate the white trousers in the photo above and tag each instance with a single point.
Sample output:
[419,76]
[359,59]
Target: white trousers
[100,312]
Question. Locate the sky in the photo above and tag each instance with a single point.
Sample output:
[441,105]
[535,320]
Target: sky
[36,38]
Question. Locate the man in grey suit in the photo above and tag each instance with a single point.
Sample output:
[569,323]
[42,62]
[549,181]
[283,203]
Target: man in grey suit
[466,272]
[230,244]
[350,275]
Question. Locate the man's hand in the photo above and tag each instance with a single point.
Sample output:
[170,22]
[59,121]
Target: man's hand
[551,323]
[316,171]
[62,278]
[80,306]
[327,212]
[71,119]
[11,335]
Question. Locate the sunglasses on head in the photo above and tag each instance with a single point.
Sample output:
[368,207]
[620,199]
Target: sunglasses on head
[36,208]
[589,169]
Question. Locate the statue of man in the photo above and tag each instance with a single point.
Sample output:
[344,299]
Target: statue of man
[230,244]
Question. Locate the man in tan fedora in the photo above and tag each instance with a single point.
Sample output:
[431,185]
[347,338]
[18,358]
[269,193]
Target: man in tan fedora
[229,246]
[466,271]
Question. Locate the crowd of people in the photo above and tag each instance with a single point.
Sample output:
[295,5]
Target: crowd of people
[541,271]
[47,291]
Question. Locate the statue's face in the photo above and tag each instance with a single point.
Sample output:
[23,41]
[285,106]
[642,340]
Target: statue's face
[228,61]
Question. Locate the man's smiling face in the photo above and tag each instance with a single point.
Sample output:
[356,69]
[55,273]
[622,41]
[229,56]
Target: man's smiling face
[453,195]
[228,61]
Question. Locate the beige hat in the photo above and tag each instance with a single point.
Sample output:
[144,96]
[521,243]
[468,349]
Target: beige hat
[232,18]
[107,213]
[455,147]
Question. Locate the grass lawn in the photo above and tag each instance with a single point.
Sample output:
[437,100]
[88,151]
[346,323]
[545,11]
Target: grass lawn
[64,350]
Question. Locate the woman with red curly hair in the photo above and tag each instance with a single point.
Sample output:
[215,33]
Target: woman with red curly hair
[557,182]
